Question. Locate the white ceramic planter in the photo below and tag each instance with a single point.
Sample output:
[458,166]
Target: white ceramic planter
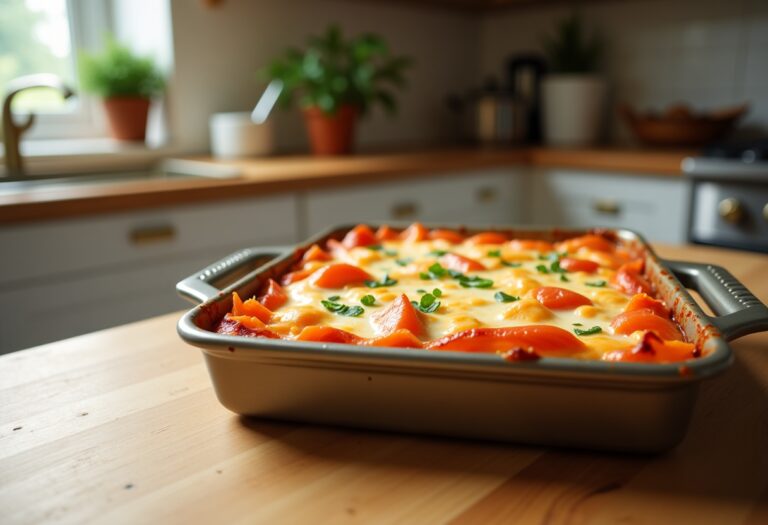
[235,135]
[573,109]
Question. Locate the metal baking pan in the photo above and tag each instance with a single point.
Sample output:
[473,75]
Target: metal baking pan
[552,401]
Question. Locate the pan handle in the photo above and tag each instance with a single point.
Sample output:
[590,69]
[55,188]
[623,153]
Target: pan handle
[738,311]
[199,287]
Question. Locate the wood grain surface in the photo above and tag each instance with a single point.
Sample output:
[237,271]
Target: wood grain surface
[122,426]
[260,176]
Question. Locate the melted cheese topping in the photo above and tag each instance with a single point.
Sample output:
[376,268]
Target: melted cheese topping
[463,308]
[515,284]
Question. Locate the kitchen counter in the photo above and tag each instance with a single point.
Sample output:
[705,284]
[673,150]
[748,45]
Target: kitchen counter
[287,173]
[122,426]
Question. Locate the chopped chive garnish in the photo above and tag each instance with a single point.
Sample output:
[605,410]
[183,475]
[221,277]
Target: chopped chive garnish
[438,253]
[577,324]
[343,309]
[511,264]
[334,298]
[421,290]
[555,267]
[368,300]
[542,268]
[589,331]
[564,279]
[403,262]
[437,292]
[390,253]
[387,281]
[375,247]
[475,282]
[494,253]
[596,284]
[435,272]
[505,297]
[427,304]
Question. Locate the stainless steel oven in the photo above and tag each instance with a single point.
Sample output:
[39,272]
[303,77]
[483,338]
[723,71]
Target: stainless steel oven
[730,196]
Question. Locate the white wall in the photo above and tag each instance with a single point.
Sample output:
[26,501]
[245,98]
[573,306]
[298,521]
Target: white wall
[217,52]
[708,53]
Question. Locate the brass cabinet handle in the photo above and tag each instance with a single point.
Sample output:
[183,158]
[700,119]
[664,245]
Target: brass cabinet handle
[152,234]
[606,207]
[404,210]
[486,194]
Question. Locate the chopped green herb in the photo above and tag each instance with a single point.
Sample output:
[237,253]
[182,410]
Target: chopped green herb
[387,281]
[564,279]
[577,324]
[421,290]
[343,309]
[596,284]
[436,271]
[428,304]
[334,298]
[403,262]
[511,264]
[368,300]
[505,297]
[375,247]
[555,267]
[542,268]
[390,253]
[590,331]
[494,253]
[475,282]
[437,292]
[438,253]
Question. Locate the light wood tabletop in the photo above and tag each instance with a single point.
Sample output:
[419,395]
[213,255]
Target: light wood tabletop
[122,426]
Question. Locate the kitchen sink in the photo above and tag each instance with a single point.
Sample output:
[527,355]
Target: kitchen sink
[166,172]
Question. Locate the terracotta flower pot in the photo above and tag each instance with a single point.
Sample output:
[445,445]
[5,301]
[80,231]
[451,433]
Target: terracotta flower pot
[127,117]
[331,134]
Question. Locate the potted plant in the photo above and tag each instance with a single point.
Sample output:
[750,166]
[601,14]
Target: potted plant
[126,82]
[337,81]
[573,92]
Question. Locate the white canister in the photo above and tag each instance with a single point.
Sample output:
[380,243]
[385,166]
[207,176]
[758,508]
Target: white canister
[235,135]
[573,109]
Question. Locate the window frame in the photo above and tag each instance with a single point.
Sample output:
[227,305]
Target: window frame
[89,21]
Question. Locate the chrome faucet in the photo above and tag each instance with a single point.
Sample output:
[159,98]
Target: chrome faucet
[12,131]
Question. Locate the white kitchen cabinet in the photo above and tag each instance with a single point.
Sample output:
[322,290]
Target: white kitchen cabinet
[656,207]
[478,197]
[63,278]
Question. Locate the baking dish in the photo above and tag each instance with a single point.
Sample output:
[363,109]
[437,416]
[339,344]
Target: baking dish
[552,401]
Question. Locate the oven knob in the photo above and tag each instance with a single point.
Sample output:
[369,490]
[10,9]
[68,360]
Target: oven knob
[731,210]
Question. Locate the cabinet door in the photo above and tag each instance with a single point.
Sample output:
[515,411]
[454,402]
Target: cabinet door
[82,245]
[63,279]
[46,312]
[486,197]
[656,207]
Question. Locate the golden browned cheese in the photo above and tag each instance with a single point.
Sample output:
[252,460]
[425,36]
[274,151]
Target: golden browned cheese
[517,273]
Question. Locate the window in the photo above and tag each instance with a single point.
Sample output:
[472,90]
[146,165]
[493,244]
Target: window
[44,36]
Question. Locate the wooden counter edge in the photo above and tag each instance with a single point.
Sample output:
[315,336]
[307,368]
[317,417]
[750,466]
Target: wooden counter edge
[289,173]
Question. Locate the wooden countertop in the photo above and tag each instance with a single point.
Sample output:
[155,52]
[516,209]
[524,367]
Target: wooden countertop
[288,173]
[122,426]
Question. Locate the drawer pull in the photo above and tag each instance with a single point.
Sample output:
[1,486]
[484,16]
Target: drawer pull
[404,210]
[486,195]
[152,235]
[606,207]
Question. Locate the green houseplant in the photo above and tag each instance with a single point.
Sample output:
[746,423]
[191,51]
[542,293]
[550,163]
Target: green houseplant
[573,92]
[126,82]
[337,80]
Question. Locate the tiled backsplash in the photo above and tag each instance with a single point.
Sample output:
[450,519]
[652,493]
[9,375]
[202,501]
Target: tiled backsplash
[706,53]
